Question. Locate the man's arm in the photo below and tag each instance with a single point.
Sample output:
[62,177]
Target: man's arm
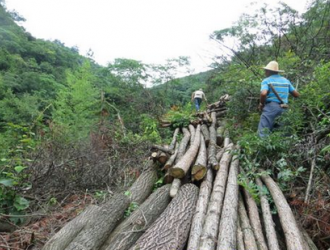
[295,93]
[263,97]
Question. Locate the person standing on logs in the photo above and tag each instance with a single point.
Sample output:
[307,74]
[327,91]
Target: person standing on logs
[274,95]
[197,97]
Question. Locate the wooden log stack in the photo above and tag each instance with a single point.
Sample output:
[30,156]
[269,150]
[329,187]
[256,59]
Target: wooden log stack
[203,207]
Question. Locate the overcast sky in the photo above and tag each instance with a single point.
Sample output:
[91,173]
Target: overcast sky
[150,31]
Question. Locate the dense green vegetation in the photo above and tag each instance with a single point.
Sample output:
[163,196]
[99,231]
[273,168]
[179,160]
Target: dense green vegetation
[67,123]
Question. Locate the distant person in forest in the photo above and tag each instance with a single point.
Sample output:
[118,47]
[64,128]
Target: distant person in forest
[274,95]
[197,98]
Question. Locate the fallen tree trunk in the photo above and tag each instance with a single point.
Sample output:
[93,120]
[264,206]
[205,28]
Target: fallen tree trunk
[182,166]
[293,237]
[62,239]
[220,135]
[172,158]
[192,133]
[176,184]
[199,169]
[248,236]
[206,133]
[211,225]
[171,229]
[228,222]
[173,142]
[200,213]
[212,160]
[128,232]
[183,144]
[255,221]
[104,221]
[240,241]
[163,149]
[267,219]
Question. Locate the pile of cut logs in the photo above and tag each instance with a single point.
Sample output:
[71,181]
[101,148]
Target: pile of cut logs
[201,207]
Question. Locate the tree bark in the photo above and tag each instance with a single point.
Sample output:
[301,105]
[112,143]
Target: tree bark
[255,221]
[62,239]
[212,160]
[183,144]
[170,231]
[219,154]
[200,213]
[173,142]
[211,225]
[293,237]
[228,222]
[206,133]
[102,223]
[192,133]
[220,135]
[200,167]
[128,232]
[176,184]
[226,141]
[267,219]
[248,236]
[163,149]
[240,241]
[172,158]
[182,166]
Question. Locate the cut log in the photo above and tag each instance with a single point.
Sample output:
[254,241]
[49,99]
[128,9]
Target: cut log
[163,149]
[170,231]
[63,238]
[176,184]
[240,241]
[168,178]
[226,142]
[206,133]
[228,222]
[183,144]
[221,113]
[220,135]
[163,157]
[212,160]
[267,218]
[248,236]
[128,232]
[293,237]
[182,166]
[172,158]
[211,225]
[192,133]
[255,220]
[200,167]
[102,223]
[173,142]
[200,213]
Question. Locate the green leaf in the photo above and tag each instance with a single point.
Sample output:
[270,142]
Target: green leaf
[21,203]
[19,169]
[6,182]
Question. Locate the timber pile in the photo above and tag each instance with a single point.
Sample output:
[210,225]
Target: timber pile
[201,208]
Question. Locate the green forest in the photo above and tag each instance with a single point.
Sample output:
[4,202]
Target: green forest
[72,128]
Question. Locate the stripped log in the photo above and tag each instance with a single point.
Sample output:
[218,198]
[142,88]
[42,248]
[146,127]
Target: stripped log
[293,237]
[176,184]
[183,144]
[212,161]
[248,236]
[192,133]
[200,213]
[255,219]
[211,225]
[182,166]
[173,142]
[219,154]
[101,225]
[240,241]
[170,231]
[172,158]
[267,218]
[206,133]
[128,232]
[199,169]
[64,237]
[163,149]
[228,222]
